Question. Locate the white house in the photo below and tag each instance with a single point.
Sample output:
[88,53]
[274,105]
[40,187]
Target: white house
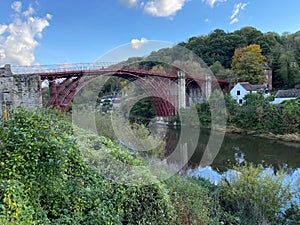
[241,89]
[283,95]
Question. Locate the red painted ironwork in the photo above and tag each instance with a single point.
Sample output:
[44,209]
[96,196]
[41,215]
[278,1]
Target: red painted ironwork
[65,81]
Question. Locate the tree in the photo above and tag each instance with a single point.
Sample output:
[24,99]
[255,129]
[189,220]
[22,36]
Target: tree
[248,64]
[251,34]
[217,69]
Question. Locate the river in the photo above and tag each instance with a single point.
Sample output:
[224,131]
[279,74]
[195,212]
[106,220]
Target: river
[236,148]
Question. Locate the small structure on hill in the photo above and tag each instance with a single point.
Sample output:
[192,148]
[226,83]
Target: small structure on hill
[241,89]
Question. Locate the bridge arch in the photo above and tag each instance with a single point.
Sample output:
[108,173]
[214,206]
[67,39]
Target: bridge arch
[63,91]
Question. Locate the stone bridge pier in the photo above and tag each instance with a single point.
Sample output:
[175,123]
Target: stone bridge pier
[19,90]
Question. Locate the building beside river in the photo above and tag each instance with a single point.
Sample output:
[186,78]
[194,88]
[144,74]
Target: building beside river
[284,95]
[241,89]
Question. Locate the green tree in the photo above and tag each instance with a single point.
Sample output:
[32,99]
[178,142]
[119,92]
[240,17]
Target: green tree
[251,34]
[291,116]
[258,114]
[218,70]
[247,64]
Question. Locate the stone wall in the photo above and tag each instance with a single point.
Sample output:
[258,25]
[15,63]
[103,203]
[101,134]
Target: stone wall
[19,90]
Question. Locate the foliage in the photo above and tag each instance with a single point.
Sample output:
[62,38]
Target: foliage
[291,116]
[193,200]
[231,109]
[14,204]
[50,177]
[257,113]
[143,111]
[247,64]
[204,113]
[45,179]
[281,52]
[292,215]
[255,195]
[218,70]
[104,126]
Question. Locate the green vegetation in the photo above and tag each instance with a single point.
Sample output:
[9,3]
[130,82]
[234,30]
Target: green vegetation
[257,115]
[219,51]
[247,65]
[45,179]
[256,196]
[281,51]
[51,175]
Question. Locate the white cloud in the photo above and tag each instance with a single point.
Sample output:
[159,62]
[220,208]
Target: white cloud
[164,8]
[18,39]
[234,20]
[29,11]
[129,3]
[137,44]
[213,2]
[16,6]
[237,8]
[3,28]
[206,20]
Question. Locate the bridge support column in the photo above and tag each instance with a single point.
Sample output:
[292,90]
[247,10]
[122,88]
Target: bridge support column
[53,92]
[208,86]
[181,89]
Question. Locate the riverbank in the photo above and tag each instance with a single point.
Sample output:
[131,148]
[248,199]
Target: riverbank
[295,137]
[281,137]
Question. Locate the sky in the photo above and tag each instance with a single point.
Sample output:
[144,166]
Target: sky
[46,32]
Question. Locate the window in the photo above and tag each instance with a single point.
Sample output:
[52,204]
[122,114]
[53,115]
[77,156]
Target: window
[240,101]
[238,92]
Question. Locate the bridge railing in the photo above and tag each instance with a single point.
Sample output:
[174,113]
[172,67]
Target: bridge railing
[54,68]
[86,67]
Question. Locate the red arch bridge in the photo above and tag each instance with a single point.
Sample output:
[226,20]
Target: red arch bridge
[67,80]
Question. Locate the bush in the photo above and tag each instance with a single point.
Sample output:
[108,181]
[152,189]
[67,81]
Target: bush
[14,204]
[193,201]
[45,175]
[142,198]
[255,195]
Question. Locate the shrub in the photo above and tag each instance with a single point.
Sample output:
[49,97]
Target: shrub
[14,204]
[45,174]
[193,201]
[255,195]
[142,198]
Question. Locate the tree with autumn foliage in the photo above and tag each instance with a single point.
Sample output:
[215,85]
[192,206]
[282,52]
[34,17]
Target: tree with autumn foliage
[248,64]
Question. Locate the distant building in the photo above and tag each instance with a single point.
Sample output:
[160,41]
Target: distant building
[110,100]
[284,95]
[269,77]
[241,89]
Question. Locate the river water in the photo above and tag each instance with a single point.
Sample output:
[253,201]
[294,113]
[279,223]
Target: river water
[236,148]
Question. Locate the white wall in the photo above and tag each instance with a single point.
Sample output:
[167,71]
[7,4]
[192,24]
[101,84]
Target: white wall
[235,95]
[280,100]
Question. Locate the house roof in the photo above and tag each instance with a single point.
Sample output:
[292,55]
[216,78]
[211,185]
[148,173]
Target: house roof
[253,87]
[291,93]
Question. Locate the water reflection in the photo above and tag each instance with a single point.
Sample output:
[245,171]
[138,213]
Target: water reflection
[237,148]
[215,177]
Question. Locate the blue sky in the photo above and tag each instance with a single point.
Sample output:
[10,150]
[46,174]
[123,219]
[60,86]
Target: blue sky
[50,32]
